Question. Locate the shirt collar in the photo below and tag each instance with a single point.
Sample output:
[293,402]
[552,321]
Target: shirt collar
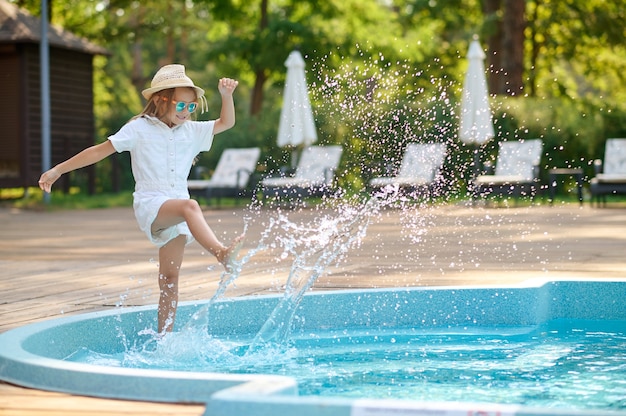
[158,121]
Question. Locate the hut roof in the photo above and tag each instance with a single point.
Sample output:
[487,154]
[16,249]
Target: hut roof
[18,26]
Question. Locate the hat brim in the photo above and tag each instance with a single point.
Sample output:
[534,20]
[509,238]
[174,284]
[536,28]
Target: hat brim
[148,92]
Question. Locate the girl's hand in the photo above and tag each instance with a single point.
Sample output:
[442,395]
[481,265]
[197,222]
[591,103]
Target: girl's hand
[226,86]
[48,178]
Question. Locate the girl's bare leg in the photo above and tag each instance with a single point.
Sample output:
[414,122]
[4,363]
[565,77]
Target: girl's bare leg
[175,211]
[170,260]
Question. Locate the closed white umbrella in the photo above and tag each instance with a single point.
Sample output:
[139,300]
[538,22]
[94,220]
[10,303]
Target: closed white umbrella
[476,126]
[296,126]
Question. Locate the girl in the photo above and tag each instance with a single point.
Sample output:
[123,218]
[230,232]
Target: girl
[163,144]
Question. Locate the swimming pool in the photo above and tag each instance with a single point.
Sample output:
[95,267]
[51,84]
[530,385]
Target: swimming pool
[35,355]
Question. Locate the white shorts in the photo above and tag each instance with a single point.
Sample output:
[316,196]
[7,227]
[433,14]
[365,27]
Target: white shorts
[146,205]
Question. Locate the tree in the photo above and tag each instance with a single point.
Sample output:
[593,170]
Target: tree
[562,37]
[505,45]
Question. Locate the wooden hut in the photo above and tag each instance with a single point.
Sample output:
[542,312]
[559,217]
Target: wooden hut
[71,97]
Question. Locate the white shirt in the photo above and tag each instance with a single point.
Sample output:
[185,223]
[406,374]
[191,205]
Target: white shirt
[161,159]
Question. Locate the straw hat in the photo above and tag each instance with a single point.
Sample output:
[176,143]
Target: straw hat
[171,76]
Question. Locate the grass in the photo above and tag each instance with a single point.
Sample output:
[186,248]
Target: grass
[32,198]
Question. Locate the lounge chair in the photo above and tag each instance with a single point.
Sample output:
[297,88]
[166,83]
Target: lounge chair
[313,176]
[420,169]
[610,174]
[516,173]
[231,177]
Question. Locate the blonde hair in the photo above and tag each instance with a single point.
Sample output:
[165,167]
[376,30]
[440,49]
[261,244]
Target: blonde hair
[158,104]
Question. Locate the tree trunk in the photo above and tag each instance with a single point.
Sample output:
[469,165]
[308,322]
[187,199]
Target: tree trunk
[257,92]
[534,51]
[513,46]
[505,45]
[184,36]
[256,102]
[137,77]
[494,46]
[171,43]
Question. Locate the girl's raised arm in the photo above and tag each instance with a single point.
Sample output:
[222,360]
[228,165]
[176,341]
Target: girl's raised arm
[226,87]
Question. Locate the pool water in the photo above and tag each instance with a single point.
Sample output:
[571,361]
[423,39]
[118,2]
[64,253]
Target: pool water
[564,363]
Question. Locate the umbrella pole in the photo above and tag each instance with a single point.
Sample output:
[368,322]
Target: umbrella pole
[474,168]
[477,168]
[294,158]
[296,152]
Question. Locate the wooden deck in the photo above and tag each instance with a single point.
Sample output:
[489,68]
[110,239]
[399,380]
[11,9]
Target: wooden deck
[21,401]
[69,262]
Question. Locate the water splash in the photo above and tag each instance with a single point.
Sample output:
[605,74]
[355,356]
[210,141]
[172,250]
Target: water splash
[200,319]
[316,247]
[382,105]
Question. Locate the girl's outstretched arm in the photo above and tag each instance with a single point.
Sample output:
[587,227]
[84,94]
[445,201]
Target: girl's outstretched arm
[87,157]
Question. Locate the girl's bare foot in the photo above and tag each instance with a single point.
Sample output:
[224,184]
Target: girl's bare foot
[229,254]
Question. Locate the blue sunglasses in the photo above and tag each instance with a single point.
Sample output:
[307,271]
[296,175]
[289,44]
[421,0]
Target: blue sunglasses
[181,105]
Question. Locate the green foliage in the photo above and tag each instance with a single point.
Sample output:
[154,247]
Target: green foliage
[381,74]
[580,50]
[573,131]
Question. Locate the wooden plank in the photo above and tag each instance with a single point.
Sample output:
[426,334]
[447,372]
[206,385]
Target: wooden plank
[15,400]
